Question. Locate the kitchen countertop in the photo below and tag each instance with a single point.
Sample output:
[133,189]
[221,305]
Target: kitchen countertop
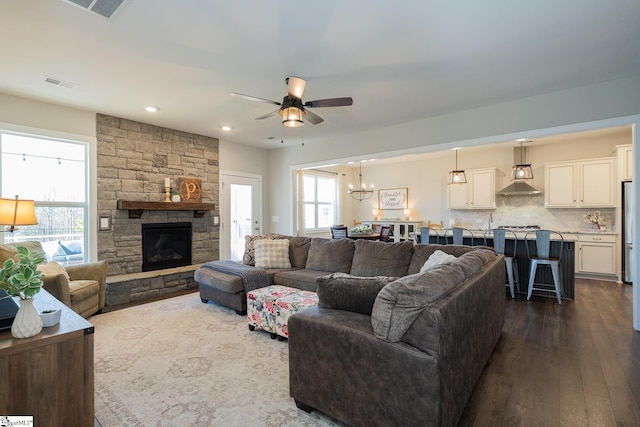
[567,235]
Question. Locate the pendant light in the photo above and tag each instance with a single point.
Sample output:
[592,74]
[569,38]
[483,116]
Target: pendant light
[522,170]
[361,193]
[457,176]
[292,117]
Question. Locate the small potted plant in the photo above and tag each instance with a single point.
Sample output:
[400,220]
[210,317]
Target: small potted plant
[21,278]
[50,317]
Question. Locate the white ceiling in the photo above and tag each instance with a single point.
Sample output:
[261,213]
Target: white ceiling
[400,61]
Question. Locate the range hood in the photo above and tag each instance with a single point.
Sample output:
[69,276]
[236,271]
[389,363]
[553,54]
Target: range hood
[519,187]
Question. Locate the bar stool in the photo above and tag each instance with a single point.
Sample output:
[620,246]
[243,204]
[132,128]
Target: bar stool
[426,232]
[457,235]
[500,236]
[539,253]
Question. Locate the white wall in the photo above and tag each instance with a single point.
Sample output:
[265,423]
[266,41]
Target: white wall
[250,160]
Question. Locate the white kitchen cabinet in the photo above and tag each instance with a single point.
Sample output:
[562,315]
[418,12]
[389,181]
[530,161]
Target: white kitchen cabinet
[624,154]
[596,254]
[478,193]
[582,184]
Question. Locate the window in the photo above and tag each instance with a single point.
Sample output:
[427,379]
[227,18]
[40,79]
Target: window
[319,200]
[54,174]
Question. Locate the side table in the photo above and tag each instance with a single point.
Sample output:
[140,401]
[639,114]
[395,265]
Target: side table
[50,375]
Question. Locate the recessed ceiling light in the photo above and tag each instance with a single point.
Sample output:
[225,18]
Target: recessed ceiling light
[226,128]
[151,109]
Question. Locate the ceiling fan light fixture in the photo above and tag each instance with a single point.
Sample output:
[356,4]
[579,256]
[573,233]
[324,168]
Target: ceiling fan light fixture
[292,117]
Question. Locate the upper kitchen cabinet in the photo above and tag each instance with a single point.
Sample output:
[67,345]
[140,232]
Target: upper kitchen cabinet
[582,184]
[478,193]
[624,154]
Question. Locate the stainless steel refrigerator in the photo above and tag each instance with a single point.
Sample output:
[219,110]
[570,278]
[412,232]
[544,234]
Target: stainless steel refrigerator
[627,232]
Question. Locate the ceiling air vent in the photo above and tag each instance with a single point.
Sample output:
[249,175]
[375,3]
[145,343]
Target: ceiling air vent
[58,82]
[106,8]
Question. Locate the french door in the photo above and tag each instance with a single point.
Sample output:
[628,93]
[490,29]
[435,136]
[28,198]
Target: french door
[240,212]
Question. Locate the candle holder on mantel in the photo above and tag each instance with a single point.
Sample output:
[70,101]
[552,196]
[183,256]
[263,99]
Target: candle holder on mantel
[167,197]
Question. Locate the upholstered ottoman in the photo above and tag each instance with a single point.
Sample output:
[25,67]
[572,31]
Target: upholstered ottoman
[261,311]
[290,304]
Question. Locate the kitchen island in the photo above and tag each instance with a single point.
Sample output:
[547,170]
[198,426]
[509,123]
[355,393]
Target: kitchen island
[543,274]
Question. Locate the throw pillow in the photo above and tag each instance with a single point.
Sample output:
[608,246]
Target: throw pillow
[437,258]
[249,242]
[342,291]
[71,248]
[272,253]
[53,268]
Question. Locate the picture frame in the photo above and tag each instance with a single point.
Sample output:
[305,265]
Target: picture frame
[393,198]
[104,222]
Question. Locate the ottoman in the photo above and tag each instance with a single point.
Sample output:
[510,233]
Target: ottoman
[290,304]
[261,312]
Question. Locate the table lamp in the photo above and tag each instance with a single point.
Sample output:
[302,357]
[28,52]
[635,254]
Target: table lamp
[17,212]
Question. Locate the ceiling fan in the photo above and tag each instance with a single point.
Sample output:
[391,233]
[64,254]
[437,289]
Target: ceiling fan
[292,109]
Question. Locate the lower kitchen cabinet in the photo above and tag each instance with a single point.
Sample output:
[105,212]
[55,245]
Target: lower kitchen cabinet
[596,254]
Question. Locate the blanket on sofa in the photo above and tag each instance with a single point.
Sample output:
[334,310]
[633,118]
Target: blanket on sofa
[252,277]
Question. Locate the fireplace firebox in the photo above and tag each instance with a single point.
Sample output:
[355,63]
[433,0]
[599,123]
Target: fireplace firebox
[166,245]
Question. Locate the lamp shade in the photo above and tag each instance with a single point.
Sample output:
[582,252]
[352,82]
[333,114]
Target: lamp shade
[521,172]
[457,177]
[292,117]
[17,212]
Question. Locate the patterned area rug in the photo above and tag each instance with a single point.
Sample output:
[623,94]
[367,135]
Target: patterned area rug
[179,362]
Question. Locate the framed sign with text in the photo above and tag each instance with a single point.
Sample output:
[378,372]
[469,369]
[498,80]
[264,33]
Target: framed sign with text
[393,198]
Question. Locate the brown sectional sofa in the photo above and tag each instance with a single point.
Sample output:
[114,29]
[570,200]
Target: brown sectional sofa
[387,344]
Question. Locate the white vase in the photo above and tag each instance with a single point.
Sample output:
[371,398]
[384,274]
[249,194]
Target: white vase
[27,322]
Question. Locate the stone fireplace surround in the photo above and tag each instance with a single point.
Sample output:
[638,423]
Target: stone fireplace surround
[133,160]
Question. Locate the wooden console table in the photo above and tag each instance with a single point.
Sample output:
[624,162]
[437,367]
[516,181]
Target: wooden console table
[49,376]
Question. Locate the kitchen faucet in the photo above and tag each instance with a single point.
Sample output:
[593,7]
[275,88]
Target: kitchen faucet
[490,220]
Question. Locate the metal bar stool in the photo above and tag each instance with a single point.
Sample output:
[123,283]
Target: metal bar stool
[426,232]
[500,236]
[457,235]
[539,253]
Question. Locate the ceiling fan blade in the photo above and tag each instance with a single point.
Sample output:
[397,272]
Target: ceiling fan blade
[331,102]
[255,98]
[313,118]
[266,116]
[296,86]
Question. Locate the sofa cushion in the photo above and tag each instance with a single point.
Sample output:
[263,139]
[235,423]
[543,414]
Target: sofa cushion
[272,253]
[331,255]
[299,251]
[304,279]
[9,250]
[342,291]
[421,253]
[400,302]
[249,249]
[381,258]
[53,268]
[436,259]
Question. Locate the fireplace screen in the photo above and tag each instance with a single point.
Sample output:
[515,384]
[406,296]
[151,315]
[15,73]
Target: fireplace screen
[166,245]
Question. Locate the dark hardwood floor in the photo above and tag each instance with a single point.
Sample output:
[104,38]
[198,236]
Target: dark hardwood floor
[577,364]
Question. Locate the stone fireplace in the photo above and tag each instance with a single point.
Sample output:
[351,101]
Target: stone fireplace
[133,161]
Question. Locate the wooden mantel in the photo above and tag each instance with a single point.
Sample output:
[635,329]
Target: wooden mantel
[137,208]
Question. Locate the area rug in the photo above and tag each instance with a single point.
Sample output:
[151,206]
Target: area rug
[179,362]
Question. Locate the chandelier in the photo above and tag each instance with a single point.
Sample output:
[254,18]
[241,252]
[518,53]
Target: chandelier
[361,193]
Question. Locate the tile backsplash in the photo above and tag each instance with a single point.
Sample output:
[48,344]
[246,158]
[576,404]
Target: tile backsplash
[530,210]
